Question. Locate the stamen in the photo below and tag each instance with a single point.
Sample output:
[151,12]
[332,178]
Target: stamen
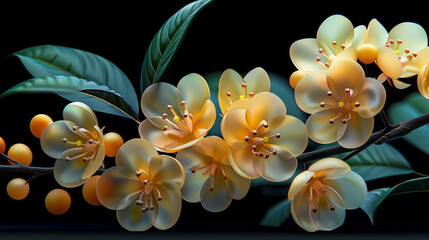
[174,112]
[228,94]
[334,43]
[159,194]
[223,172]
[243,91]
[331,121]
[262,123]
[347,119]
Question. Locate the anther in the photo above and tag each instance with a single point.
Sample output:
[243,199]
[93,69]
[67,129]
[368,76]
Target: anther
[277,135]
[246,138]
[84,159]
[193,170]
[145,181]
[169,107]
[165,128]
[343,46]
[254,132]
[344,121]
[228,94]
[357,104]
[347,90]
[183,103]
[414,54]
[243,85]
[138,173]
[274,152]
[331,121]
[211,189]
[332,208]
[75,128]
[321,50]
[67,159]
[65,140]
[317,59]
[251,94]
[322,104]
[164,116]
[329,93]
[399,41]
[407,50]
[391,41]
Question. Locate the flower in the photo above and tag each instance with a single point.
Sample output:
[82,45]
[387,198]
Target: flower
[423,81]
[342,104]
[143,187]
[320,195]
[264,140]
[367,41]
[405,53]
[334,40]
[235,91]
[210,179]
[177,117]
[77,144]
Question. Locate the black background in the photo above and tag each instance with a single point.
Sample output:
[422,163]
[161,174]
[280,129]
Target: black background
[227,34]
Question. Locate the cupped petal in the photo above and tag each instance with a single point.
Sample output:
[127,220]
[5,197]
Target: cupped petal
[292,135]
[166,171]
[349,53]
[301,211]
[157,97]
[195,91]
[311,91]
[169,208]
[258,110]
[358,131]
[299,183]
[53,135]
[423,81]
[236,185]
[95,163]
[133,219]
[351,187]
[246,164]
[218,199]
[155,135]
[359,36]
[389,63]
[234,128]
[416,63]
[371,98]
[230,81]
[135,154]
[329,168]
[326,218]
[336,28]
[343,74]
[193,184]
[377,34]
[413,37]
[68,173]
[205,119]
[80,114]
[320,130]
[257,80]
[279,167]
[117,184]
[304,52]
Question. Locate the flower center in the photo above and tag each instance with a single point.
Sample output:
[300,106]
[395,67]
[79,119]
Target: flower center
[243,93]
[406,57]
[331,57]
[148,192]
[212,169]
[90,144]
[180,126]
[344,105]
[256,141]
[317,191]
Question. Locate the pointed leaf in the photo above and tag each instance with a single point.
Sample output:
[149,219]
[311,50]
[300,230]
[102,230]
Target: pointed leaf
[277,214]
[166,43]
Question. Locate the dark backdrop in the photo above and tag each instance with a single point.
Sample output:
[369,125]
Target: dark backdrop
[226,34]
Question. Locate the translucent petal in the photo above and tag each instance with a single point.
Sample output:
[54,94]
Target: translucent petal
[157,97]
[328,219]
[329,168]
[242,103]
[115,184]
[166,171]
[304,52]
[133,219]
[193,184]
[230,81]
[299,183]
[205,119]
[292,135]
[69,173]
[388,62]
[95,163]
[53,135]
[168,208]
[279,167]
[371,98]
[336,28]
[423,81]
[218,199]
[188,141]
[135,155]
[257,80]
[359,36]
[245,164]
[343,74]
[198,155]
[349,53]
[311,91]
[358,131]
[351,187]
[80,114]
[257,110]
[300,210]
[234,127]
[236,185]
[418,62]
[320,130]
[377,34]
[195,91]
[155,135]
[413,37]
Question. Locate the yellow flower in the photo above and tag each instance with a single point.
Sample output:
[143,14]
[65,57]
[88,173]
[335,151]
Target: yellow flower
[334,40]
[143,187]
[210,179]
[177,117]
[264,140]
[320,195]
[235,91]
[367,41]
[342,103]
[77,144]
[405,53]
[423,81]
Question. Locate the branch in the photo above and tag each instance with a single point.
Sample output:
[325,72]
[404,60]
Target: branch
[380,137]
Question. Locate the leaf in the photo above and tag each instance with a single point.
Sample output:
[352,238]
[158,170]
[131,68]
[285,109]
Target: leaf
[50,60]
[100,97]
[277,214]
[166,42]
[376,197]
[412,106]
[213,82]
[379,161]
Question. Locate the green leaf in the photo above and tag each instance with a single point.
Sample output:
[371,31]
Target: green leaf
[379,161]
[213,82]
[166,43]
[49,60]
[100,97]
[376,197]
[412,106]
[277,214]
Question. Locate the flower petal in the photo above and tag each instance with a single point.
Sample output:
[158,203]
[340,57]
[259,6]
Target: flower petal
[357,132]
[320,130]
[204,119]
[304,52]
[351,187]
[359,36]
[416,63]
[245,164]
[230,81]
[218,199]
[234,128]
[336,28]
[69,173]
[328,219]
[116,184]
[80,114]
[345,73]
[53,135]
[133,219]
[279,167]
[371,98]
[155,135]
[157,97]
[301,212]
[377,34]
[166,171]
[236,185]
[257,110]
[299,183]
[423,81]
[135,154]
[95,163]
[329,168]
[413,37]
[389,63]
[195,91]
[168,208]
[193,184]
[257,80]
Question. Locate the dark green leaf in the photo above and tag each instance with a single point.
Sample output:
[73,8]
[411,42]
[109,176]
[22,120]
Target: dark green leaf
[277,214]
[166,43]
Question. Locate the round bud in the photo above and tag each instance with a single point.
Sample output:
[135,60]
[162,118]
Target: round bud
[295,77]
[112,143]
[18,188]
[20,153]
[89,190]
[2,145]
[57,201]
[367,53]
[38,123]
